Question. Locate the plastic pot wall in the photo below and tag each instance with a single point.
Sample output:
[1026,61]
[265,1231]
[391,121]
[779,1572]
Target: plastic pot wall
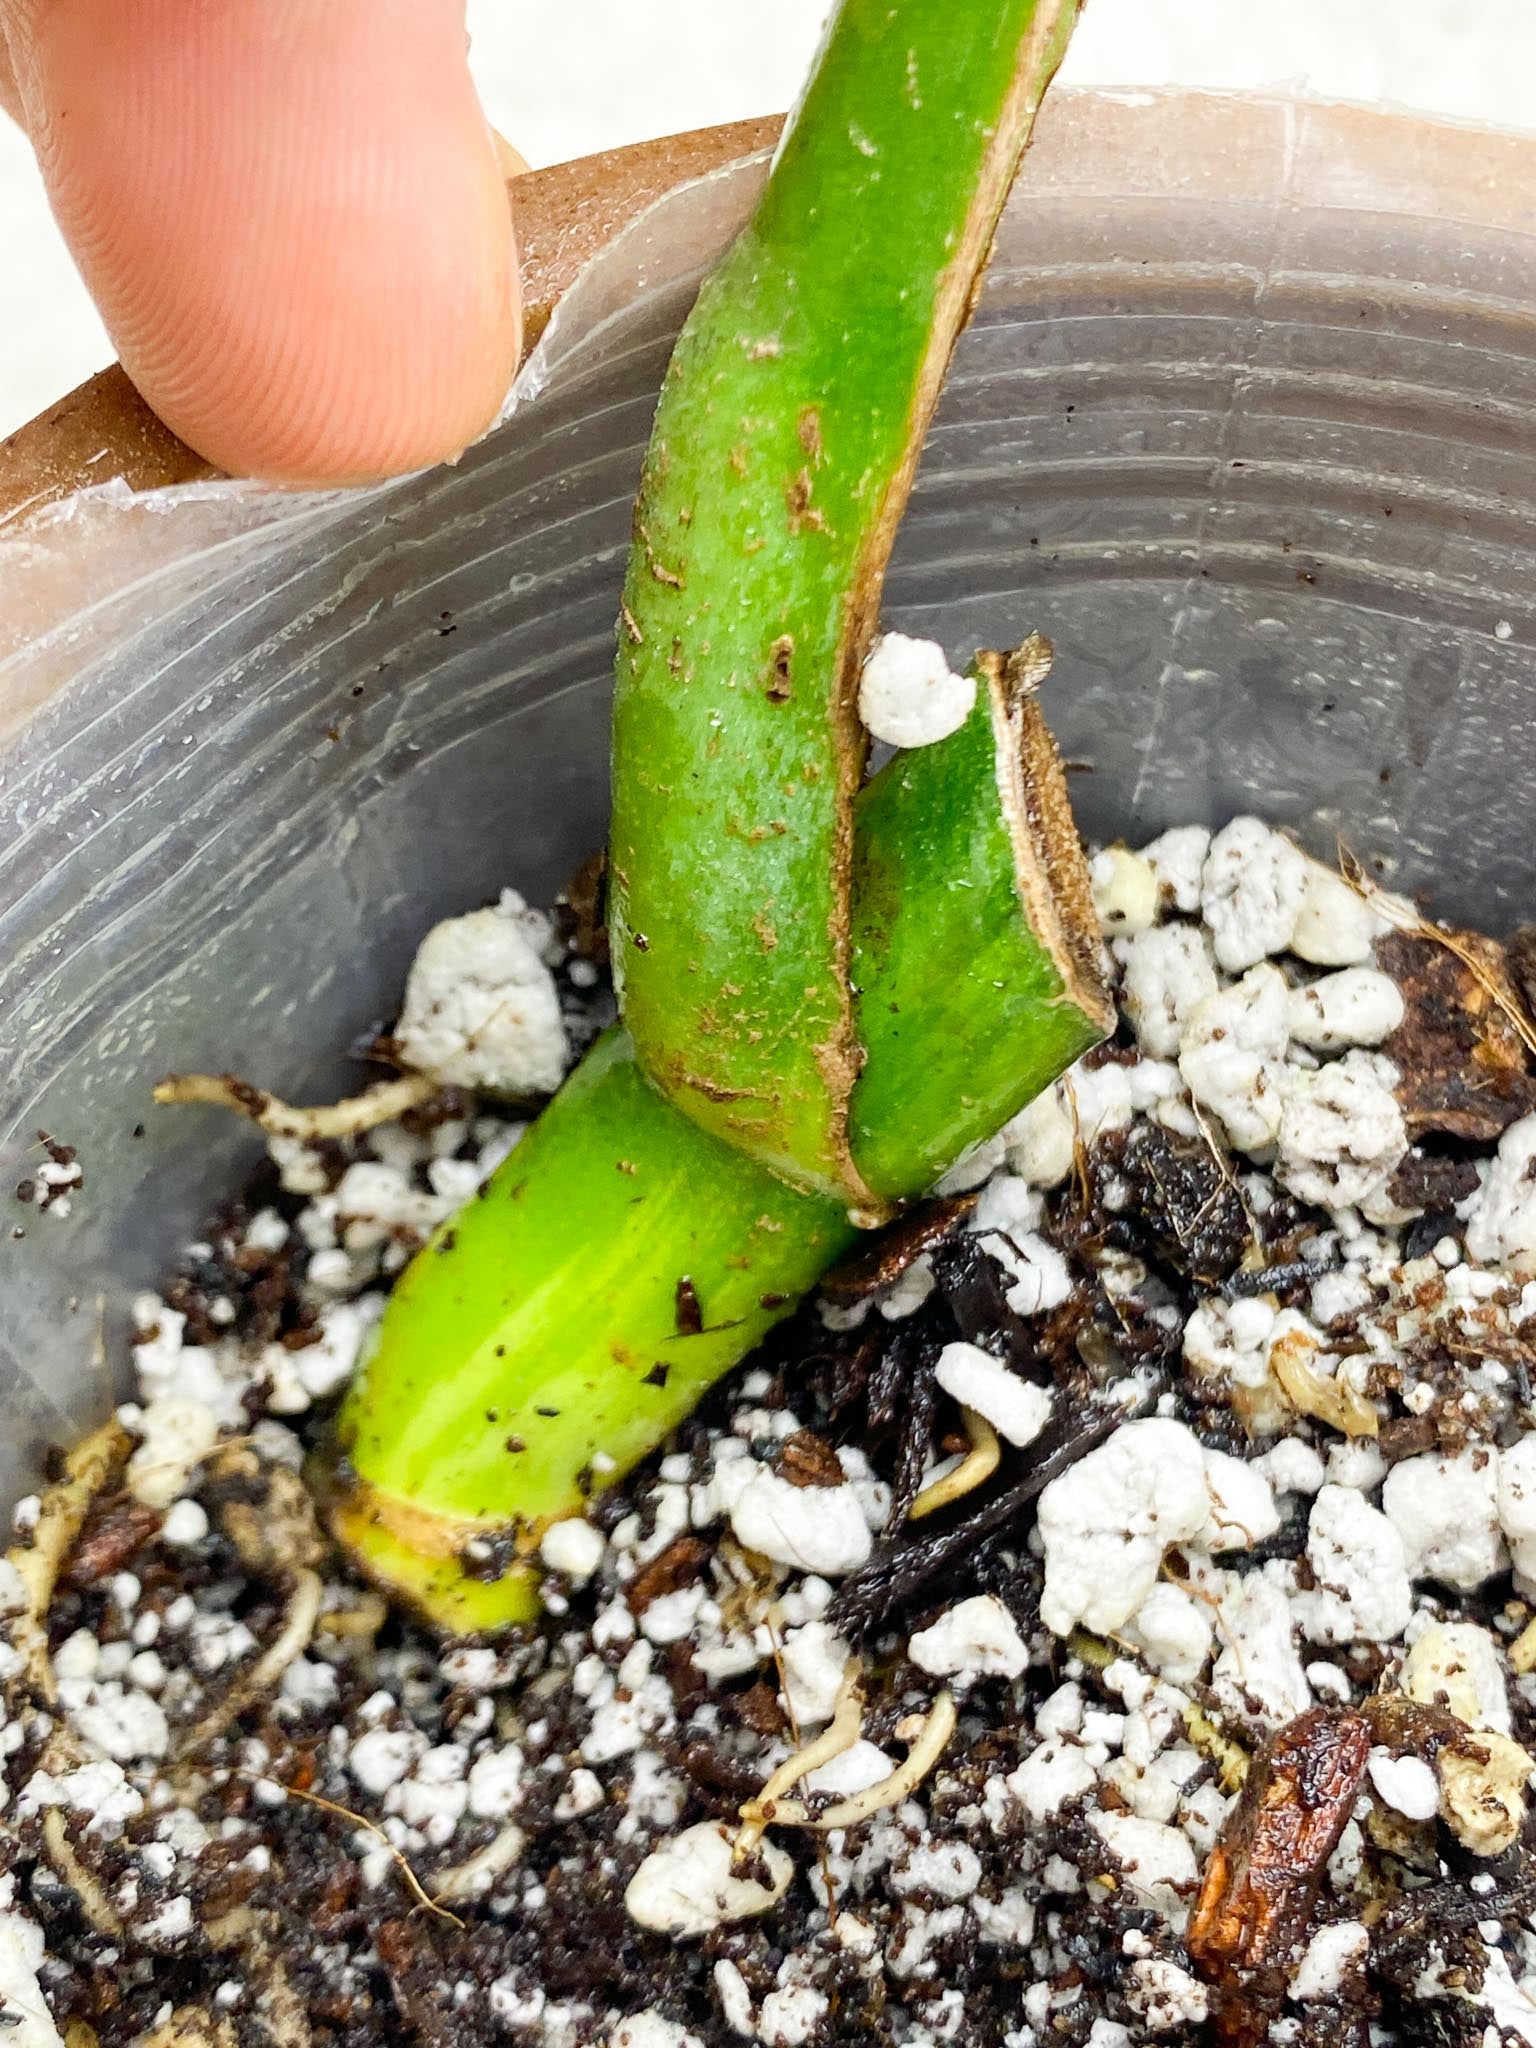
[1246,424]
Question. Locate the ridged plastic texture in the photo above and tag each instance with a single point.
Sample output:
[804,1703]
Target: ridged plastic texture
[1246,424]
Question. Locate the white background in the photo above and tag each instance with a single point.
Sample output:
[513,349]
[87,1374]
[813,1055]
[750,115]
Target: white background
[561,77]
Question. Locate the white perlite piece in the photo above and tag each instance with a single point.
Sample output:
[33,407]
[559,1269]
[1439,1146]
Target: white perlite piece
[1177,858]
[175,1436]
[1328,1958]
[1173,1633]
[1017,1409]
[1341,1130]
[689,1884]
[1446,1511]
[855,1770]
[481,1008]
[1232,1055]
[1363,1592]
[1166,1996]
[1517,1503]
[1405,1783]
[1126,894]
[813,1528]
[1106,1523]
[908,694]
[1258,1673]
[814,1658]
[1501,1223]
[1335,926]
[572,1547]
[1164,974]
[789,2016]
[1357,1006]
[1040,1141]
[978,1638]
[1456,1664]
[1158,1860]
[27,2020]
[652,2030]
[1251,891]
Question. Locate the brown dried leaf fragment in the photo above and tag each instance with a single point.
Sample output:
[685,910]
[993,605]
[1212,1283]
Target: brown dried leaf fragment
[896,1248]
[806,1459]
[1264,1874]
[679,1565]
[1465,1068]
[116,1530]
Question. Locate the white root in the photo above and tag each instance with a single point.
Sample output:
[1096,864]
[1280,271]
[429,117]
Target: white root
[932,1740]
[278,2007]
[840,1734]
[290,1643]
[88,1471]
[475,1876]
[94,1903]
[382,1104]
[973,1470]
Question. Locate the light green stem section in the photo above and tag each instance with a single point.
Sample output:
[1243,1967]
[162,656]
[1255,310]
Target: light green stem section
[784,446]
[976,952]
[534,1349]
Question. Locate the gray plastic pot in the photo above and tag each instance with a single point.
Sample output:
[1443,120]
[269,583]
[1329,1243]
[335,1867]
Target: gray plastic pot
[1245,424]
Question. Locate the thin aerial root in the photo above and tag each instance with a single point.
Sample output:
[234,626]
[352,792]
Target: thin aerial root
[973,1470]
[382,1104]
[891,1791]
[840,1734]
[473,1878]
[290,1643]
[88,1471]
[413,1883]
[94,1903]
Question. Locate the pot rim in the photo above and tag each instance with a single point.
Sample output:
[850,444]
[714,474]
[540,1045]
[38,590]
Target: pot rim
[1109,140]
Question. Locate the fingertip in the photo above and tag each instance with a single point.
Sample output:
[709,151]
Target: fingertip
[292,217]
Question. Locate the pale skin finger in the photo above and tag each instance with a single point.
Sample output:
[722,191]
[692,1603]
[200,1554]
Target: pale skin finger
[291,213]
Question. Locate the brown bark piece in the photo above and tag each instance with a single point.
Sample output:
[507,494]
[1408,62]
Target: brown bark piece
[116,1530]
[678,1565]
[1465,1072]
[806,1459]
[1262,1880]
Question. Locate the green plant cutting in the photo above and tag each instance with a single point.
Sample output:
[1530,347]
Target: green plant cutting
[830,989]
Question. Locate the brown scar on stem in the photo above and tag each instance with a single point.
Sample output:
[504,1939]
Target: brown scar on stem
[777,684]
[658,568]
[808,431]
[631,625]
[802,513]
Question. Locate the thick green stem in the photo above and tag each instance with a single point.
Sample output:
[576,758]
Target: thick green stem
[785,441]
[543,1342]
